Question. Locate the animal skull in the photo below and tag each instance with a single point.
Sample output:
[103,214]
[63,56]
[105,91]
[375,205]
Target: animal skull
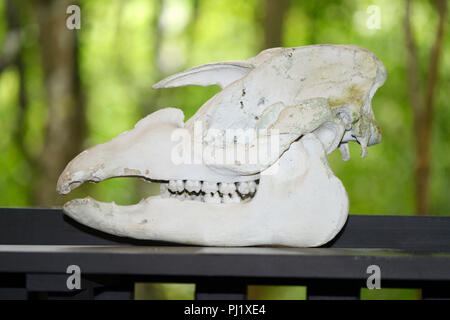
[311,99]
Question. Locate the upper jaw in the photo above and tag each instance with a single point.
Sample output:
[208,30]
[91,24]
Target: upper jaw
[146,152]
[77,172]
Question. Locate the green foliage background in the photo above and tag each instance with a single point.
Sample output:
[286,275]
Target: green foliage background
[119,63]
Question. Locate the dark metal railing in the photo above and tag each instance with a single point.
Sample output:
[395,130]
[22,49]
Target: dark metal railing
[38,245]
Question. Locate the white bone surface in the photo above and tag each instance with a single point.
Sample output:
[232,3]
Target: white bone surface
[317,98]
[304,204]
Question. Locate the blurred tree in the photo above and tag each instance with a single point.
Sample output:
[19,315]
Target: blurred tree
[124,46]
[11,44]
[66,121]
[422,103]
[13,55]
[150,101]
[275,11]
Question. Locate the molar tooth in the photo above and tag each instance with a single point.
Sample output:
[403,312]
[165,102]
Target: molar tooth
[208,187]
[193,186]
[179,185]
[243,188]
[252,186]
[173,185]
[164,190]
[212,197]
[226,188]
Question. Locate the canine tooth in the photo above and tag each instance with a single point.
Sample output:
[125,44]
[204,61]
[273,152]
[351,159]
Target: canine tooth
[212,197]
[226,188]
[243,188]
[208,187]
[193,185]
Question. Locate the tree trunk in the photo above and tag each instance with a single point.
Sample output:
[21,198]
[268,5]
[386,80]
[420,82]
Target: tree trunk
[65,122]
[275,11]
[423,108]
[14,27]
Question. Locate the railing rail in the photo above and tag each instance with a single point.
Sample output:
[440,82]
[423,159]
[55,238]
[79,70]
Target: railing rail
[37,246]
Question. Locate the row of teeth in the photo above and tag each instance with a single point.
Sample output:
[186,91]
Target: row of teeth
[209,192]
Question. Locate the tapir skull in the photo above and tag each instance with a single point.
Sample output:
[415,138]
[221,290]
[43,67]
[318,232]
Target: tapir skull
[301,103]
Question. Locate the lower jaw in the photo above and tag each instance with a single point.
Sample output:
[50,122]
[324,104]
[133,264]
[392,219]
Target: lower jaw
[287,209]
[192,215]
[169,219]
